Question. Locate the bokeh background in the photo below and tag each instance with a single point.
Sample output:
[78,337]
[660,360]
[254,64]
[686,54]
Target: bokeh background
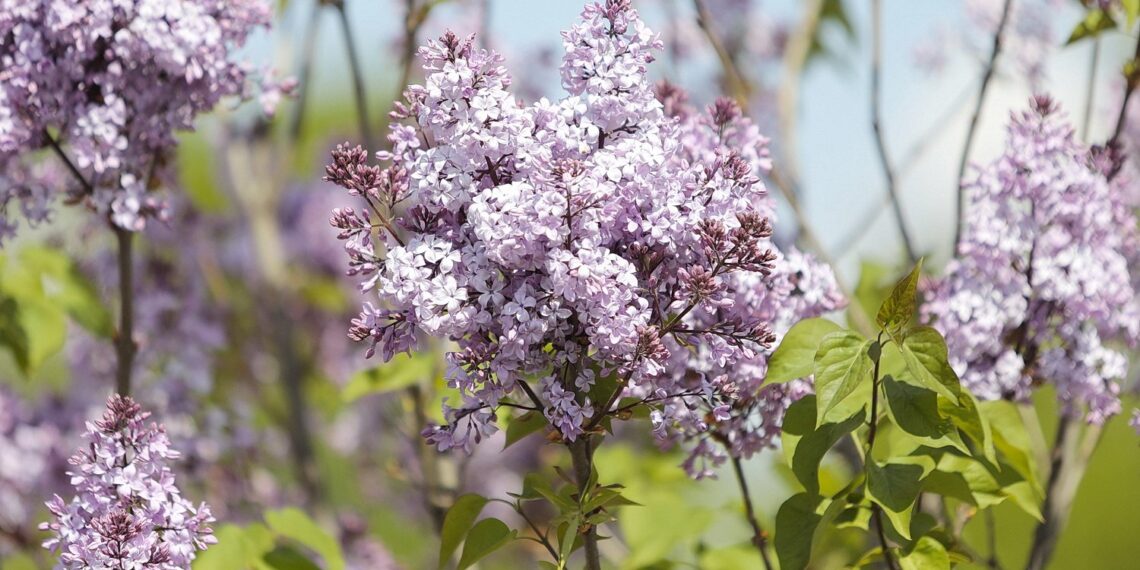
[247,311]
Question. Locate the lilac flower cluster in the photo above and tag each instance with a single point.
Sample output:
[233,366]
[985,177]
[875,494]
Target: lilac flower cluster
[127,511]
[1042,286]
[112,81]
[798,287]
[602,237]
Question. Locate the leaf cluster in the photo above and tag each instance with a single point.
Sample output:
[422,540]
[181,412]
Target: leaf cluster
[916,430]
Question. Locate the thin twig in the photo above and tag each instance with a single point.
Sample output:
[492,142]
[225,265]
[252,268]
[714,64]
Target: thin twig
[357,77]
[759,537]
[1090,92]
[305,72]
[797,52]
[583,461]
[877,126]
[918,149]
[987,75]
[737,85]
[991,535]
[125,347]
[872,428]
[1048,532]
[1132,80]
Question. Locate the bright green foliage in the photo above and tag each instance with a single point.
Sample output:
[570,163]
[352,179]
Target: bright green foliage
[897,311]
[40,290]
[487,536]
[458,521]
[900,402]
[1096,21]
[295,525]
[402,371]
[795,357]
[841,366]
[285,542]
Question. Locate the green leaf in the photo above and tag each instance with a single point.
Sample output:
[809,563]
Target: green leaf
[796,522]
[1131,10]
[806,445]
[795,357]
[402,371]
[522,426]
[965,479]
[927,361]
[897,311]
[237,548]
[914,410]
[1010,437]
[64,284]
[967,418]
[895,485]
[927,554]
[841,365]
[286,558]
[199,183]
[294,524]
[45,325]
[459,519]
[1095,22]
[487,536]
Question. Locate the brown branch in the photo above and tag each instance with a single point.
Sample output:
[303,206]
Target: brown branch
[1132,81]
[357,78]
[987,75]
[759,537]
[125,347]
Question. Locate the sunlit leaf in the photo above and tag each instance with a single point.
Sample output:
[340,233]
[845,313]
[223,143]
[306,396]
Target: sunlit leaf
[1096,21]
[295,525]
[841,365]
[795,357]
[456,524]
[487,536]
[796,522]
[927,554]
[898,309]
[402,371]
[895,485]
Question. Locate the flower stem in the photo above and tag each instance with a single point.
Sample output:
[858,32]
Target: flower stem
[1069,459]
[873,424]
[357,77]
[582,456]
[759,537]
[125,347]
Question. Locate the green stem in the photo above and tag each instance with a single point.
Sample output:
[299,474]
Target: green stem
[873,424]
[583,460]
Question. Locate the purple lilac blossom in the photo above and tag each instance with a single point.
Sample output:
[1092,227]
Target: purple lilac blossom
[112,81]
[1041,289]
[798,287]
[565,242]
[127,511]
